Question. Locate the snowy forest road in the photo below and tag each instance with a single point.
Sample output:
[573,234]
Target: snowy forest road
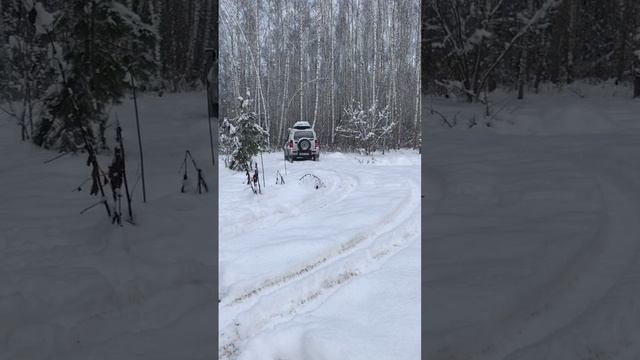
[288,255]
[544,255]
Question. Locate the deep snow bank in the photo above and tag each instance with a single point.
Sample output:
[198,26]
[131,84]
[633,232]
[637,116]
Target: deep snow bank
[532,251]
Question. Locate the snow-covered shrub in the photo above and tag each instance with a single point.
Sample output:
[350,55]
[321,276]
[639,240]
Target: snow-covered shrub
[365,128]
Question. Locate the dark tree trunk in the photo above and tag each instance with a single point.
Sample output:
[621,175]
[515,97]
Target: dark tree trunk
[622,36]
[636,83]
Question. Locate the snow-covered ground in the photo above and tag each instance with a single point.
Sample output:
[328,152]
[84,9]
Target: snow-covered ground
[327,273]
[532,228]
[76,287]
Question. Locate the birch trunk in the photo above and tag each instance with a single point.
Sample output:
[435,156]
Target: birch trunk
[257,62]
[207,26]
[573,9]
[333,115]
[416,129]
[156,23]
[284,96]
[375,52]
[193,36]
[315,109]
[621,39]
[522,73]
[302,32]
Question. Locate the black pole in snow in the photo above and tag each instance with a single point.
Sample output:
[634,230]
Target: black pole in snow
[213,156]
[124,170]
[263,180]
[135,104]
[210,104]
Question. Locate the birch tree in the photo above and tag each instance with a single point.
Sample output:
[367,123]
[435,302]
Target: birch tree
[319,56]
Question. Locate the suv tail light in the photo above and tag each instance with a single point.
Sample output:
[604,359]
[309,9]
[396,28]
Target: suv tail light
[317,144]
[290,143]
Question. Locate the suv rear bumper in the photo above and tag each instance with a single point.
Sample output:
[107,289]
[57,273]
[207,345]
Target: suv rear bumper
[303,154]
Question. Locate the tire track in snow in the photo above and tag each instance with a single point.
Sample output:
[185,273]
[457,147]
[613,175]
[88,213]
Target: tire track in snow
[325,259]
[605,309]
[297,294]
[344,186]
[561,301]
[284,304]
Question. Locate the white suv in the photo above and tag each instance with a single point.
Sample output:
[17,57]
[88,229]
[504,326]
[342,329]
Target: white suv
[302,143]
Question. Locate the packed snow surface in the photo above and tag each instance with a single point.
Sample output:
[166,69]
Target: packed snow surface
[76,287]
[322,273]
[533,244]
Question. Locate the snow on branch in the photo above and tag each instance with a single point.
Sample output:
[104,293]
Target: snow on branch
[366,127]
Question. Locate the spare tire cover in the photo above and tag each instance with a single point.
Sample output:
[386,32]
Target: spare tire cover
[304,145]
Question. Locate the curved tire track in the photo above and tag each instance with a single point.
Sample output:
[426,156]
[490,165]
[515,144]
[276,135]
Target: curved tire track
[344,186]
[326,258]
[297,291]
[595,270]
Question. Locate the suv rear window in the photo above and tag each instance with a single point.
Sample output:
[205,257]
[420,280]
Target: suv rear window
[302,134]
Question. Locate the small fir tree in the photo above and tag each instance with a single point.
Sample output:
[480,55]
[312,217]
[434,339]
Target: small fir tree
[242,138]
[95,46]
